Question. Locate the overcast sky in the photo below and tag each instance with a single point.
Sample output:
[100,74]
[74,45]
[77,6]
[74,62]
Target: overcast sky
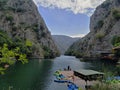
[67,17]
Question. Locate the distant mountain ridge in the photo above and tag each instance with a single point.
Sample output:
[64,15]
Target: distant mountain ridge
[63,42]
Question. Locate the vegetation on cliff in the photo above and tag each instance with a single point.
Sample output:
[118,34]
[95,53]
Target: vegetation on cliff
[21,21]
[23,34]
[104,25]
[10,52]
[116,43]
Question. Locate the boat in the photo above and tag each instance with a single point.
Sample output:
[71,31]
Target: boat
[72,86]
[62,81]
[115,77]
[59,76]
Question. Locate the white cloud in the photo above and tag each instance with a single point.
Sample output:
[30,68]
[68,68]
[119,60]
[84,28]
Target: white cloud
[78,35]
[76,6]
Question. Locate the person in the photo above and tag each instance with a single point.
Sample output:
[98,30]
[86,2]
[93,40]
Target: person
[64,69]
[69,67]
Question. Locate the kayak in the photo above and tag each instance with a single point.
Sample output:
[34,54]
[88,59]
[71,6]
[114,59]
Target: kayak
[60,76]
[72,86]
[62,81]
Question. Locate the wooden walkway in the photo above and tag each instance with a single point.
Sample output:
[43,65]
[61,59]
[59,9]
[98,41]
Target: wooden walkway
[78,81]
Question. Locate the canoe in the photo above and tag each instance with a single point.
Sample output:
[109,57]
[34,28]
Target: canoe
[62,81]
[60,76]
[72,86]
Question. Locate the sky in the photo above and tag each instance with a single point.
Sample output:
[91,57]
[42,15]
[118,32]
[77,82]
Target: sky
[67,17]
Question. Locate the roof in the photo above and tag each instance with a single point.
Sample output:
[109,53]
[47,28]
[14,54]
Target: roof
[118,47]
[88,72]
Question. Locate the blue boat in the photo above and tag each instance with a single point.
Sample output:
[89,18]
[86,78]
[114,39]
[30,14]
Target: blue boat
[62,81]
[115,77]
[60,76]
[72,86]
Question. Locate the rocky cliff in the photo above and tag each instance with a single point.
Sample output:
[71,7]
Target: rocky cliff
[63,42]
[21,20]
[104,26]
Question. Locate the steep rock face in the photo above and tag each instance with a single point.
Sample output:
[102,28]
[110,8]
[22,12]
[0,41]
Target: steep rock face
[63,42]
[104,25]
[21,19]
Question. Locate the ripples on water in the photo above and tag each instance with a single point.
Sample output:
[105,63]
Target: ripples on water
[38,75]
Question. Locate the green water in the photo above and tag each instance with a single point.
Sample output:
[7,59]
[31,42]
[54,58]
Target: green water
[38,74]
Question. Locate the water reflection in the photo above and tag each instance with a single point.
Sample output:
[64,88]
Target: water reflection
[38,74]
[103,66]
[30,76]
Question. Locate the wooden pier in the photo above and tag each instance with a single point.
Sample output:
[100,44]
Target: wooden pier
[77,80]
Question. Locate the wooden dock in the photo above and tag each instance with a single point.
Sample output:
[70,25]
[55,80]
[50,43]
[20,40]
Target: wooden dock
[78,81]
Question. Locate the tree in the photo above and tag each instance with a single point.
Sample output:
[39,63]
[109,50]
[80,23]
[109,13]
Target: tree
[116,14]
[9,57]
[115,41]
[100,35]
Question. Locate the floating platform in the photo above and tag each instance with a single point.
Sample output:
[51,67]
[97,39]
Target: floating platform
[77,80]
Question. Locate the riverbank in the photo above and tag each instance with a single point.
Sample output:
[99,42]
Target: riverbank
[76,80]
[90,85]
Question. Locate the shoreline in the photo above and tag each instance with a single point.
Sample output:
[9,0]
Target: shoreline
[78,81]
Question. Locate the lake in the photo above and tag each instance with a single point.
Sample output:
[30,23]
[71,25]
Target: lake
[38,74]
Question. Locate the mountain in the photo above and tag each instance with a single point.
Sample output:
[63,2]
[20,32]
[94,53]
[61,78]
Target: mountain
[104,31]
[21,21]
[63,42]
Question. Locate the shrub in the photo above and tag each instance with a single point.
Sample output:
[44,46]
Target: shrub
[28,43]
[35,28]
[100,23]
[106,5]
[43,34]
[12,8]
[103,87]
[69,52]
[41,27]
[8,57]
[20,10]
[100,35]
[115,40]
[25,45]
[14,28]
[79,55]
[9,18]
[74,53]
[47,52]
[118,1]
[4,38]
[2,4]
[116,14]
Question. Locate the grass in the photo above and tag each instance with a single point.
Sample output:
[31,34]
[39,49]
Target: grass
[106,87]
